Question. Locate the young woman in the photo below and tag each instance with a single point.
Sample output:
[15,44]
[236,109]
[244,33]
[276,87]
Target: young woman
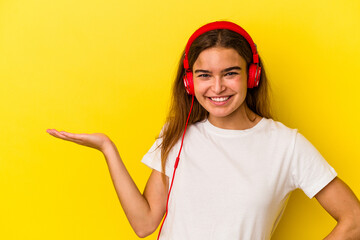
[237,165]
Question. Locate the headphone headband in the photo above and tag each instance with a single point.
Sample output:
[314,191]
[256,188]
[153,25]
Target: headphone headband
[221,25]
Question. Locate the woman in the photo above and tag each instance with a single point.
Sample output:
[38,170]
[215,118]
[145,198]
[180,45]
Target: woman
[237,167]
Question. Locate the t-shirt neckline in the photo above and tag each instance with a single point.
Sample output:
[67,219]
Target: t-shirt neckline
[231,132]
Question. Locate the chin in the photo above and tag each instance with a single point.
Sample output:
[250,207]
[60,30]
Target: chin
[215,114]
[227,112]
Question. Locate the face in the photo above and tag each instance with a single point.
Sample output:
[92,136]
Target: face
[220,84]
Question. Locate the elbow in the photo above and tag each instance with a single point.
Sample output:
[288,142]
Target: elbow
[354,233]
[352,229]
[356,225]
[144,231]
[142,234]
[357,229]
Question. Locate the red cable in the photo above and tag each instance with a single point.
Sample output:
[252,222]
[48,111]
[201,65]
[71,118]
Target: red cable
[175,167]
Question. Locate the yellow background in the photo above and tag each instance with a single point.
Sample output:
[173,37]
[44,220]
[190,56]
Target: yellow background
[107,66]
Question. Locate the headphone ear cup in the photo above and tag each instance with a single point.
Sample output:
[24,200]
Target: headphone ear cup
[254,76]
[251,77]
[188,82]
[257,76]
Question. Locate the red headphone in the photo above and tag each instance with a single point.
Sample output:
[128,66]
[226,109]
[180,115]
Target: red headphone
[254,68]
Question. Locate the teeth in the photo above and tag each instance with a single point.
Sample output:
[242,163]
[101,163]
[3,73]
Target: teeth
[219,99]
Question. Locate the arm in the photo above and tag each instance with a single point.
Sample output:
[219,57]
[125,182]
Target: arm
[144,211]
[341,203]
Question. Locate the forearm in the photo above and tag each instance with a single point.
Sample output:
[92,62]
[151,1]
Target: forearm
[345,230]
[135,206]
[342,204]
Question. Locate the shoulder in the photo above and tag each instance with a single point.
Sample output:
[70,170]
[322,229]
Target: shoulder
[276,125]
[198,127]
[278,128]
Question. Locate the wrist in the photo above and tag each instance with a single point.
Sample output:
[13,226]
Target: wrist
[107,147]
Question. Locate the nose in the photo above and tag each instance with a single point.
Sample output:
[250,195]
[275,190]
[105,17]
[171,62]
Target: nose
[218,85]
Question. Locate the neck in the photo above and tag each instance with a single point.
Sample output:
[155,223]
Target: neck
[239,120]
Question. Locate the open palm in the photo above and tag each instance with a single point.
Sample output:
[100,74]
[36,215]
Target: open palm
[93,140]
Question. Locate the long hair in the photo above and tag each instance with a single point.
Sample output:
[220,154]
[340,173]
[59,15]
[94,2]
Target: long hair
[257,99]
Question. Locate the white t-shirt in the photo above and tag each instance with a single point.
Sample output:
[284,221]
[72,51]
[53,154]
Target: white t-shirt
[234,184]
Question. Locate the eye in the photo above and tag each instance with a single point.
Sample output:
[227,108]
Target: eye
[231,73]
[204,75]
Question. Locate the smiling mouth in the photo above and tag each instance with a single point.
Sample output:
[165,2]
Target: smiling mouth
[219,99]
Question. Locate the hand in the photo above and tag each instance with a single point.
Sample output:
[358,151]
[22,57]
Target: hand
[94,140]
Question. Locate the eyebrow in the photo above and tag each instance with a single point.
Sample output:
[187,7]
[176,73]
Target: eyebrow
[225,70]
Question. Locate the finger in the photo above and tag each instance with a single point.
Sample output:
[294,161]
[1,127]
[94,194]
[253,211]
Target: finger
[81,137]
[72,137]
[53,132]
[62,135]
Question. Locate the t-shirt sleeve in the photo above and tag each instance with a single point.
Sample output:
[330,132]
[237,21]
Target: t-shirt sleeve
[310,171]
[152,158]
